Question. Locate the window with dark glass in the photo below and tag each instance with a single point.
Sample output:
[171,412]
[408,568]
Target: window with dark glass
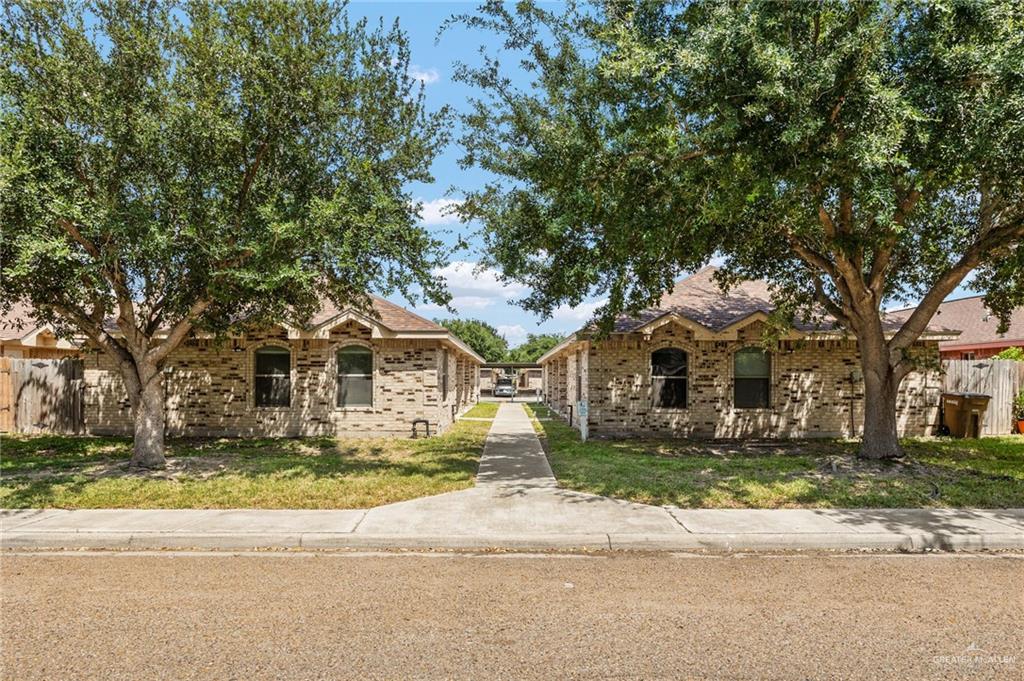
[355,376]
[668,378]
[273,377]
[752,378]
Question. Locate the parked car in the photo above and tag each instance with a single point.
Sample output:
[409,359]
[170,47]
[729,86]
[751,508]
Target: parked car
[505,387]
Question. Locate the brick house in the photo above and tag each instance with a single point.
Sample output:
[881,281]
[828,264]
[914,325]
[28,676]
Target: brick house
[693,367]
[526,375]
[344,373]
[979,329]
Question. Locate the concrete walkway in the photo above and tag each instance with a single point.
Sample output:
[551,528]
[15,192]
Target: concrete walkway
[517,503]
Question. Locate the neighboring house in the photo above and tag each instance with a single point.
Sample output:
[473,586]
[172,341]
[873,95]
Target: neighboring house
[20,337]
[979,329]
[527,376]
[344,373]
[693,367]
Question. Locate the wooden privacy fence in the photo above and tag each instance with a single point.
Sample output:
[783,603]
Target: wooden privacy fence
[1001,379]
[41,395]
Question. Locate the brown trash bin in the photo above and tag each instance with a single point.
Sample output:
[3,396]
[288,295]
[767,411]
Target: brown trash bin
[964,413]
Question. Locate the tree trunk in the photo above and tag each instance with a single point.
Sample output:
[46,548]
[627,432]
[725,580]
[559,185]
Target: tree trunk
[148,449]
[881,385]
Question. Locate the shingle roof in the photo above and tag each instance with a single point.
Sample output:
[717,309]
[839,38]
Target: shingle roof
[394,317]
[699,299]
[17,323]
[975,323]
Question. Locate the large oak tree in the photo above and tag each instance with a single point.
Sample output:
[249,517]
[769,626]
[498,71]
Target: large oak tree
[175,168]
[855,154]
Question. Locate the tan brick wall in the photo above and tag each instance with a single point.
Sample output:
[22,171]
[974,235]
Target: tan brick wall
[209,388]
[811,391]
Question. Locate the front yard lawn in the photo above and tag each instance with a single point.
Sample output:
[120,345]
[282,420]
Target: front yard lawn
[538,410]
[483,410]
[985,473]
[91,472]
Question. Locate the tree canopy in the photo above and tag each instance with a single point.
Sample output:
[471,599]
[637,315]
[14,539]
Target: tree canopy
[855,155]
[536,345]
[480,336]
[173,167]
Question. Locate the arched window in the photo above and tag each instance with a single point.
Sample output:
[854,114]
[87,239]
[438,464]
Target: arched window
[273,377]
[752,370]
[668,378]
[355,376]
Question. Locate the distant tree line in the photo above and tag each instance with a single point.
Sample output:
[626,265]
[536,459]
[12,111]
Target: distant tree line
[493,347]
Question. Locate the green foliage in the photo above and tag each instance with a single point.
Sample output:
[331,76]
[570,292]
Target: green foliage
[480,336]
[1014,353]
[854,154]
[184,165]
[1018,407]
[490,345]
[535,346]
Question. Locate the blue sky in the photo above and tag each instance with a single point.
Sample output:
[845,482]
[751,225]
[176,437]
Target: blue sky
[476,294]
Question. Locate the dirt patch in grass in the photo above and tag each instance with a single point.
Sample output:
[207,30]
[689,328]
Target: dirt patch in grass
[73,472]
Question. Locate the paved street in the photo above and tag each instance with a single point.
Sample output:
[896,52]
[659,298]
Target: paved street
[80,615]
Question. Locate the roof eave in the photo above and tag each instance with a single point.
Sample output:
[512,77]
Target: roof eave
[558,348]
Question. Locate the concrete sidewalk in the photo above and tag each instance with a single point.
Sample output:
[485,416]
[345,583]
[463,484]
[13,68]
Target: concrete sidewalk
[517,503]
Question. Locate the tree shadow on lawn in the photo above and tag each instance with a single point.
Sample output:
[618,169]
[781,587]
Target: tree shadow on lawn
[788,474]
[322,463]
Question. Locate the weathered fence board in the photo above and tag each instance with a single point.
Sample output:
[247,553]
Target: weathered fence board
[1001,379]
[6,403]
[41,395]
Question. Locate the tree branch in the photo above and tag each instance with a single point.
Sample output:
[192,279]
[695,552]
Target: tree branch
[1001,237]
[838,312]
[93,329]
[73,231]
[250,176]
[177,334]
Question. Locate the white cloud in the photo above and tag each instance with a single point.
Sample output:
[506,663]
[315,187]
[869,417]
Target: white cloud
[581,314]
[466,278]
[473,288]
[425,76]
[460,303]
[515,334]
[439,212]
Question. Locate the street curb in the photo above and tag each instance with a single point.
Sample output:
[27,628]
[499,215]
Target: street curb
[718,543]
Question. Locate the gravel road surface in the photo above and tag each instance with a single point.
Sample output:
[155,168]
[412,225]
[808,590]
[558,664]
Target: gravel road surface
[82,615]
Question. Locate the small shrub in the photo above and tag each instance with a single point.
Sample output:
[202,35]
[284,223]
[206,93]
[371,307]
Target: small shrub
[1018,407]
[1015,353]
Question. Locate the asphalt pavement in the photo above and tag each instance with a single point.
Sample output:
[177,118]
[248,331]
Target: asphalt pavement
[338,615]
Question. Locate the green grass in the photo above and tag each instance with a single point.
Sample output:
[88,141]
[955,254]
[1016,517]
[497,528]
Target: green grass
[483,410]
[90,472]
[538,410]
[985,473]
